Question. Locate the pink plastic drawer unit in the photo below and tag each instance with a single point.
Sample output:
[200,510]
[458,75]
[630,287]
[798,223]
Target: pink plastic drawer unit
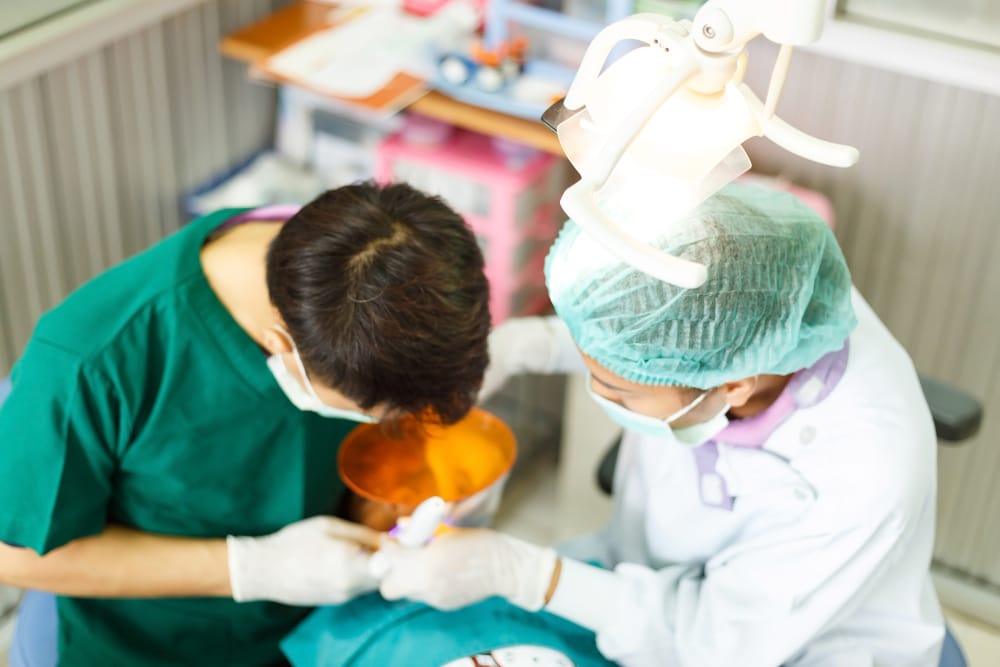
[512,206]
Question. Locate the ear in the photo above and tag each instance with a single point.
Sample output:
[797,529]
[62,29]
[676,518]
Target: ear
[739,392]
[273,339]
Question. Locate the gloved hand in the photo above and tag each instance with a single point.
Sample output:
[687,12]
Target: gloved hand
[528,345]
[317,561]
[464,566]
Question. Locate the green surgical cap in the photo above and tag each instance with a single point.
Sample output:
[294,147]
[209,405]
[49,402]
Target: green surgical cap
[777,298]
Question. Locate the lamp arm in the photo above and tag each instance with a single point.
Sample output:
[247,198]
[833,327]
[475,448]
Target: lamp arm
[778,75]
[734,23]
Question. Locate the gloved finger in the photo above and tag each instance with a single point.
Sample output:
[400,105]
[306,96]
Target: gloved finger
[354,532]
[395,587]
[362,580]
[404,577]
[389,589]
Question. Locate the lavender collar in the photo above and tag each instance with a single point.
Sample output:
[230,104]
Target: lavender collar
[806,388]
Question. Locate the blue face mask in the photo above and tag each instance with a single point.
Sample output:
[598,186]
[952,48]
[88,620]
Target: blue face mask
[305,398]
[691,436]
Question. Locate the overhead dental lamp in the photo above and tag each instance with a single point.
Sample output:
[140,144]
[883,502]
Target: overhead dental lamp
[661,129]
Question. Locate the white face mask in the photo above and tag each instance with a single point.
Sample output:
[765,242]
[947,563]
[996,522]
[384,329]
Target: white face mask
[305,398]
[692,436]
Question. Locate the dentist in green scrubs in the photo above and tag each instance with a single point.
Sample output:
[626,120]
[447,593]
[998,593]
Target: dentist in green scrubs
[168,450]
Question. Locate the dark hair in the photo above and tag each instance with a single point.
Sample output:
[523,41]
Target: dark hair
[383,292]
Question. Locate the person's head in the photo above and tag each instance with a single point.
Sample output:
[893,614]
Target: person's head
[776,300]
[382,293]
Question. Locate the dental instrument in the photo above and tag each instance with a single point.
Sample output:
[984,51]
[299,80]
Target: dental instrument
[423,523]
[414,531]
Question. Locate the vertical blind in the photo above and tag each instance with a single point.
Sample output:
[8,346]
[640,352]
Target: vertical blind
[96,154]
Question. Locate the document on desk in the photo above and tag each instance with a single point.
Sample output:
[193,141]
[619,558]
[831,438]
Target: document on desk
[382,59]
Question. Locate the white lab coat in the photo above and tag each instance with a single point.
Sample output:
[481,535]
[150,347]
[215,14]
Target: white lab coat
[824,559]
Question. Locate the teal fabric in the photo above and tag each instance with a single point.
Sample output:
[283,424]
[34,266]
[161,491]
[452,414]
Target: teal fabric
[372,632]
[777,296]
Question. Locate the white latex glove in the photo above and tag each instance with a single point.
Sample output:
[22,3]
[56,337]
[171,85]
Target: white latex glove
[464,566]
[529,345]
[317,561]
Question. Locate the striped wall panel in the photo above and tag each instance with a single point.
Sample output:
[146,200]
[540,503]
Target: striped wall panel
[919,220]
[96,154]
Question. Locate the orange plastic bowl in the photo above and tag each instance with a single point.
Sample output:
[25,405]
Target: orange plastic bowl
[391,475]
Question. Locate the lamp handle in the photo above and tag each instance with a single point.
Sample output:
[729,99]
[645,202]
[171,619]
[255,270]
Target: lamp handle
[795,140]
[580,204]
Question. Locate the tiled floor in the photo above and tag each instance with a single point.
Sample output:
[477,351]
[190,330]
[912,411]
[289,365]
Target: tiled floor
[529,512]
[5,630]
[528,509]
[980,642]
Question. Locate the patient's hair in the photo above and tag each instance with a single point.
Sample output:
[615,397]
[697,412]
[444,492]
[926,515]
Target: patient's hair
[383,292]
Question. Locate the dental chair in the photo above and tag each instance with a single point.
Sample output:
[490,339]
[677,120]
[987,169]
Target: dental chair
[957,417]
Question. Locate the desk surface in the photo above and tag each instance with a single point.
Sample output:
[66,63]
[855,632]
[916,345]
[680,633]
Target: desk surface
[291,23]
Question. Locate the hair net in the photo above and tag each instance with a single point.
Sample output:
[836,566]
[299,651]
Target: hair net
[777,298]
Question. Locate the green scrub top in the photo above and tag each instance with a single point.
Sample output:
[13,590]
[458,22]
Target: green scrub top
[140,401]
